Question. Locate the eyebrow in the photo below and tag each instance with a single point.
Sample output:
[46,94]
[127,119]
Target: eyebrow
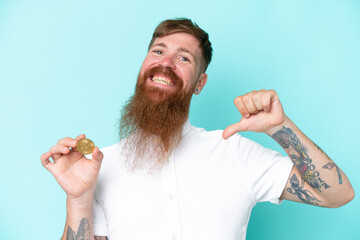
[159,45]
[180,49]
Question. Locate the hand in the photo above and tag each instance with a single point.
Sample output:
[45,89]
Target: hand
[76,174]
[261,111]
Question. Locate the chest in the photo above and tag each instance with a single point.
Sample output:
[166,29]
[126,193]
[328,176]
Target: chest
[194,197]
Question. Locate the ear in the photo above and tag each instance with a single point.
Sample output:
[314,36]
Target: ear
[201,83]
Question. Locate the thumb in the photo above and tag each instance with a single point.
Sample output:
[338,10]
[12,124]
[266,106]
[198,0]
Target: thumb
[234,128]
[97,155]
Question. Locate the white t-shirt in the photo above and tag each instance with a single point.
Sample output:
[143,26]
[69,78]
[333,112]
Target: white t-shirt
[206,191]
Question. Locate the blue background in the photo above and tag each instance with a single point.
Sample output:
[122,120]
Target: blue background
[66,67]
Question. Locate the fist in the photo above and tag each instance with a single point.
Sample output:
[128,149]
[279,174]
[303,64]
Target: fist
[260,110]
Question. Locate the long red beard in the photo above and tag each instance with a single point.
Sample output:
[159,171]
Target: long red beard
[152,121]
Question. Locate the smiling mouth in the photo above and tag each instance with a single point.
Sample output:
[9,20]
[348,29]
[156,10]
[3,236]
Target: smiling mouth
[162,80]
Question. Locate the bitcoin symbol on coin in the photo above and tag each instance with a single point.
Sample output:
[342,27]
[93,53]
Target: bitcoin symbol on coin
[85,146]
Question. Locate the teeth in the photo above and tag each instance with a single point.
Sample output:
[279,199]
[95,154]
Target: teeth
[162,80]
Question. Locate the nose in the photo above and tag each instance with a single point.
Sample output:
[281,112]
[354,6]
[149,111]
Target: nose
[168,61]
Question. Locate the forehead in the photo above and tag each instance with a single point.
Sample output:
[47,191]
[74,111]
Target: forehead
[179,41]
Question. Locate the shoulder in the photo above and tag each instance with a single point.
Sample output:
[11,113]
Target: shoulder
[200,138]
[208,136]
[111,150]
[242,147]
[112,158]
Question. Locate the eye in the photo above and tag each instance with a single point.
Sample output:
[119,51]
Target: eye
[184,59]
[157,52]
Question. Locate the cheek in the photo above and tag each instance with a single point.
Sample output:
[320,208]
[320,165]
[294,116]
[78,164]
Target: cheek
[146,64]
[143,68]
[187,72]
[189,79]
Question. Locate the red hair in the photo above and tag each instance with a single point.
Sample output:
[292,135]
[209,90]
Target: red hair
[185,25]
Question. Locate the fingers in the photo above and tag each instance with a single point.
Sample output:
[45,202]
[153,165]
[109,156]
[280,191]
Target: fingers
[81,136]
[59,149]
[257,99]
[267,100]
[46,162]
[251,104]
[241,106]
[254,102]
[70,142]
[246,105]
[63,146]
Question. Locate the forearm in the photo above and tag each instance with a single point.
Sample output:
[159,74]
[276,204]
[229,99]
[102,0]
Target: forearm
[79,219]
[315,167]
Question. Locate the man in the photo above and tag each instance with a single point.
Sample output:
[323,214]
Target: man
[169,180]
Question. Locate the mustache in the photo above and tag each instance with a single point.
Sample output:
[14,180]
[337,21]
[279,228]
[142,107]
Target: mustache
[165,71]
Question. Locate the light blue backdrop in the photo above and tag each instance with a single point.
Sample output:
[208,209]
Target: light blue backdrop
[66,67]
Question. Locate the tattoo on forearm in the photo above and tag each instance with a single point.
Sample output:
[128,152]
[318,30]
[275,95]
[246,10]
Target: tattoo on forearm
[329,165]
[83,231]
[321,150]
[338,172]
[293,147]
[304,195]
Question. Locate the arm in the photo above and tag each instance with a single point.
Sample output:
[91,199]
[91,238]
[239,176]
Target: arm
[79,219]
[77,175]
[314,179]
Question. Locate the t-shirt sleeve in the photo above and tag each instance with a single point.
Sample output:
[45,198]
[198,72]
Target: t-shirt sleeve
[99,221]
[265,170]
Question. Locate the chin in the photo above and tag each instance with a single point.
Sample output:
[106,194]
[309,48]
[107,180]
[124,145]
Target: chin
[159,95]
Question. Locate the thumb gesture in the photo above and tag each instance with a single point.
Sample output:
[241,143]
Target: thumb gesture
[260,110]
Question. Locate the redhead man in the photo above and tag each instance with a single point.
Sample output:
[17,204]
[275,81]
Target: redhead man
[167,179]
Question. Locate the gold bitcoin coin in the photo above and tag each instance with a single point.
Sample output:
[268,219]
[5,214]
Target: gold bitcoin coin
[85,146]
